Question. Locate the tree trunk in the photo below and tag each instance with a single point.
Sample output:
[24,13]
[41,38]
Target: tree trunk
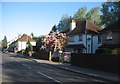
[50,56]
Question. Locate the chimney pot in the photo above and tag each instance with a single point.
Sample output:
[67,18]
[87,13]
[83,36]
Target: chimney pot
[73,24]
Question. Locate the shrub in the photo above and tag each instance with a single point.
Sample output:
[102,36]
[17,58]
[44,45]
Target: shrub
[22,51]
[118,50]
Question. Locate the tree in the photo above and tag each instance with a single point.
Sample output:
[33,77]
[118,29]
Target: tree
[64,22]
[4,43]
[54,42]
[39,42]
[94,16]
[54,29]
[29,48]
[32,36]
[110,12]
[80,15]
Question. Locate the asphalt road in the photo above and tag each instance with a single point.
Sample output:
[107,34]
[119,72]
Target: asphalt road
[21,69]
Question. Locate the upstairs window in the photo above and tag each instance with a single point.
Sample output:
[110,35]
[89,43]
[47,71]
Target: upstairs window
[109,36]
[80,37]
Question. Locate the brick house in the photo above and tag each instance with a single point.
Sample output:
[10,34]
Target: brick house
[111,36]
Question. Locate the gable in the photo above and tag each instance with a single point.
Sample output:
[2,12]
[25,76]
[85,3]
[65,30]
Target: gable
[25,38]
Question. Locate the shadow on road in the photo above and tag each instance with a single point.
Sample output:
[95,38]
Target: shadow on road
[15,72]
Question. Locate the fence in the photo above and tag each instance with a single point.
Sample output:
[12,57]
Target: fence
[104,62]
[41,55]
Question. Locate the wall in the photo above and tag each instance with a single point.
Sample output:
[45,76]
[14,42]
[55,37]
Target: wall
[96,44]
[33,43]
[21,45]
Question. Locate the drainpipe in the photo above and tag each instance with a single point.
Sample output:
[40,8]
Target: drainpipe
[86,36]
[86,40]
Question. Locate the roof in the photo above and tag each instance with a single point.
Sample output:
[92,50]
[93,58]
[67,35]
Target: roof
[76,46]
[113,27]
[26,38]
[92,27]
[110,46]
[82,26]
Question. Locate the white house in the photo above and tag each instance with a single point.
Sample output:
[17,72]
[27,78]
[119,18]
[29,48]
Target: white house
[21,43]
[84,37]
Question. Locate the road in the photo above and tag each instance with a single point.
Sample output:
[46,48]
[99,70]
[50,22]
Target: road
[21,69]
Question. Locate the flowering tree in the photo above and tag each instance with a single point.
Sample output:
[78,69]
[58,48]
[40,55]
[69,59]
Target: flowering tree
[54,42]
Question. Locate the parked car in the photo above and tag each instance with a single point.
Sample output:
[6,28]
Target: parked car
[66,56]
[62,57]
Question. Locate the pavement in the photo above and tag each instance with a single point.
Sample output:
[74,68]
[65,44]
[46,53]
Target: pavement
[112,77]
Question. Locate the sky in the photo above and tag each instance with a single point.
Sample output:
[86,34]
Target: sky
[35,17]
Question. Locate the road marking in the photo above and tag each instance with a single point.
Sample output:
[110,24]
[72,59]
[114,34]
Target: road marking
[11,57]
[49,77]
[43,74]
[17,60]
[29,67]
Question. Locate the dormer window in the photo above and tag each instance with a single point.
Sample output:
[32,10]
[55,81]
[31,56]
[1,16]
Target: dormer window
[109,36]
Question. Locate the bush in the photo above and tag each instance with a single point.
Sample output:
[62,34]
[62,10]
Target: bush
[103,50]
[22,51]
[118,50]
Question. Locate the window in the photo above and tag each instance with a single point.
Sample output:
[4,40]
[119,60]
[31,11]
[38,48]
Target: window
[71,38]
[109,36]
[80,37]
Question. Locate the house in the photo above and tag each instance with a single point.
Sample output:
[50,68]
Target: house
[84,37]
[21,42]
[111,36]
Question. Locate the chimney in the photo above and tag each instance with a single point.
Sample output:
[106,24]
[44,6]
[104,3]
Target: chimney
[19,36]
[73,24]
[31,35]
